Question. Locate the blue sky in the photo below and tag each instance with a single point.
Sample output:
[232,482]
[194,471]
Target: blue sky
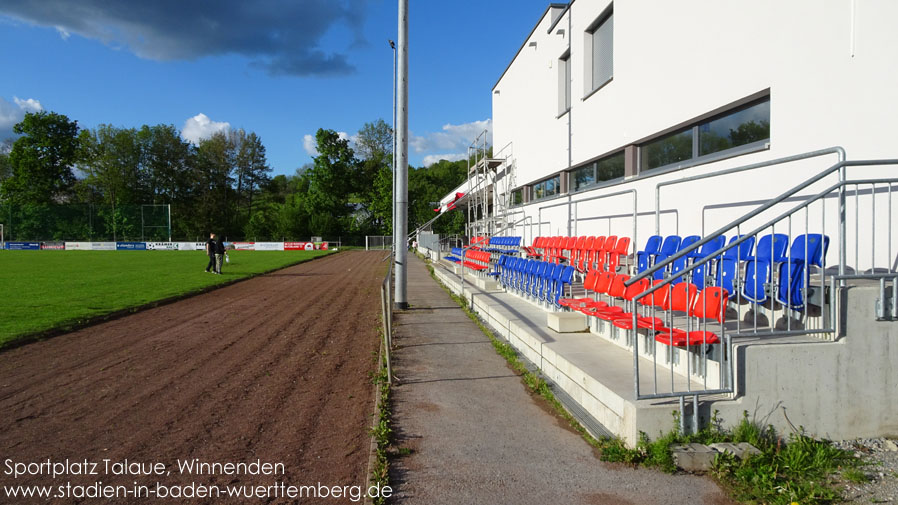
[282,69]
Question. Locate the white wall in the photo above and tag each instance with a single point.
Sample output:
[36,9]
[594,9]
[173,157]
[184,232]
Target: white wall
[831,68]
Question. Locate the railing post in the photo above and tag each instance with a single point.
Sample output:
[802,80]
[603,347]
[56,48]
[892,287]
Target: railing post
[843,233]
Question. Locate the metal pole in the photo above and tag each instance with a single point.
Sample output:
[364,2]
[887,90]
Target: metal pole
[393,161]
[169,222]
[401,197]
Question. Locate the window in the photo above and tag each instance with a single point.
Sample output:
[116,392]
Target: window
[605,169]
[547,188]
[601,44]
[583,176]
[517,197]
[564,83]
[667,150]
[743,129]
[745,126]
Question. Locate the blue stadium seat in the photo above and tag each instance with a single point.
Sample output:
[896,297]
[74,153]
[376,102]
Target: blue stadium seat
[644,257]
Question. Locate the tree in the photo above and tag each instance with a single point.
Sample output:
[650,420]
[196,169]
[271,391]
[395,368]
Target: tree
[375,140]
[331,184]
[111,159]
[5,168]
[251,167]
[212,185]
[42,159]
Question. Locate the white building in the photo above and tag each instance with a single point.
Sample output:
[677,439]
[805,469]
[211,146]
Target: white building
[636,118]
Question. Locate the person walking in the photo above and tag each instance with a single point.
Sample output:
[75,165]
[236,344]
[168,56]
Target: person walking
[219,255]
[210,251]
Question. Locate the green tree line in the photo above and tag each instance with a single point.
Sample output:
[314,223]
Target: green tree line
[61,182]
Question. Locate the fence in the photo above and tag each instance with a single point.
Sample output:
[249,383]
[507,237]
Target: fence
[55,222]
[386,305]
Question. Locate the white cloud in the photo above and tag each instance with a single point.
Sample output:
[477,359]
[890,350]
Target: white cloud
[308,143]
[452,137]
[311,145]
[13,112]
[200,127]
[430,159]
[30,105]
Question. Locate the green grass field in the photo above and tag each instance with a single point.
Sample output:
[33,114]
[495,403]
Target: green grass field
[48,290]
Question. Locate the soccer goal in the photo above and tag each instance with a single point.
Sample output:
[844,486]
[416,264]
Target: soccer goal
[155,222]
[376,242]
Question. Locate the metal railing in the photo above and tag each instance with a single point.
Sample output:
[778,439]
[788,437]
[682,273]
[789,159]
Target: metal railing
[813,295]
[386,307]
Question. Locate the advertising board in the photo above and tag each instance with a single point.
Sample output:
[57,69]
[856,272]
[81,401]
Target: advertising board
[102,246]
[23,246]
[269,246]
[162,246]
[78,246]
[53,246]
[305,246]
[243,246]
[130,246]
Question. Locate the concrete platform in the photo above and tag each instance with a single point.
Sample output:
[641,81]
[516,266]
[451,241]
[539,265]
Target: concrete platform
[828,387]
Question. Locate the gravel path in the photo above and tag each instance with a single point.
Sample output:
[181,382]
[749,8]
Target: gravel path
[881,457]
[477,436]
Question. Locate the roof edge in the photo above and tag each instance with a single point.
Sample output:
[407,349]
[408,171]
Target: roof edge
[548,8]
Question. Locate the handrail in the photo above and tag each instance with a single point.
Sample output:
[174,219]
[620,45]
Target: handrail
[711,236]
[386,307]
[746,236]
[811,154]
[840,186]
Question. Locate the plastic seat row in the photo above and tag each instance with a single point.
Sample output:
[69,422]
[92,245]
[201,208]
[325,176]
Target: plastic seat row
[503,245]
[541,281]
[698,305]
[768,271]
[584,253]
[473,259]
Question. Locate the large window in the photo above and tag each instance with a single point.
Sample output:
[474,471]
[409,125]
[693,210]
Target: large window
[605,169]
[517,197]
[601,38]
[547,188]
[564,83]
[742,129]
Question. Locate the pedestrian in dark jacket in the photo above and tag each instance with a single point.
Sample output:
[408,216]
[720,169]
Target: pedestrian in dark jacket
[219,255]
[210,251]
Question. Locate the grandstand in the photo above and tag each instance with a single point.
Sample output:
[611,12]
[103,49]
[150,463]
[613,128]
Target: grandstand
[670,223]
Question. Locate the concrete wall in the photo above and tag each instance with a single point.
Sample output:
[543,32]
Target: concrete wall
[837,390]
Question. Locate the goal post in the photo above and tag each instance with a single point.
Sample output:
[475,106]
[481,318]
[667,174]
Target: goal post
[378,242]
[155,221]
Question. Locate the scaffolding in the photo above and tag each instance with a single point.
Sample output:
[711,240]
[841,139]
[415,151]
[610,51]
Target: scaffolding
[488,188]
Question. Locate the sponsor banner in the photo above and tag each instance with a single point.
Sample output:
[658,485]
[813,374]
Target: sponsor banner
[102,246]
[130,246]
[185,246]
[162,246]
[269,246]
[23,246]
[53,246]
[305,246]
[78,246]
[298,246]
[245,246]
[199,246]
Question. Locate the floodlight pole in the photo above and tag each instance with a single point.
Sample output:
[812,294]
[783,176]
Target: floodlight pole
[393,159]
[400,244]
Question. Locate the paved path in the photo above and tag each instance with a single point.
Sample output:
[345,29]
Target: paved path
[478,436]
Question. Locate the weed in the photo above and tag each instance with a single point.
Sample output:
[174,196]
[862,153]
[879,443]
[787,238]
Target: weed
[854,475]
